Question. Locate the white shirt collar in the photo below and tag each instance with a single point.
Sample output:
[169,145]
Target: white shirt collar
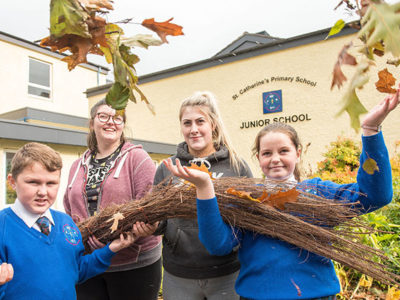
[28,217]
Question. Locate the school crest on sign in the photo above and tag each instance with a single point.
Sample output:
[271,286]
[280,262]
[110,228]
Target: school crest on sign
[272,101]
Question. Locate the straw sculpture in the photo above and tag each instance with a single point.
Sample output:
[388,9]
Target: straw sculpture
[322,226]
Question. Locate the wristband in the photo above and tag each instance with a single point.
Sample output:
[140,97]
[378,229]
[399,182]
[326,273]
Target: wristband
[374,128]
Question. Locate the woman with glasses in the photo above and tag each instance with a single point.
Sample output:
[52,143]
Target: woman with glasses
[114,171]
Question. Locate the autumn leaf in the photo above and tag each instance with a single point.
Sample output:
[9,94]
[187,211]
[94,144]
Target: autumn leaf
[381,23]
[163,28]
[202,168]
[141,40]
[393,294]
[241,194]
[118,95]
[68,17]
[351,102]
[276,200]
[96,5]
[344,58]
[370,166]
[115,219]
[279,199]
[339,25]
[385,82]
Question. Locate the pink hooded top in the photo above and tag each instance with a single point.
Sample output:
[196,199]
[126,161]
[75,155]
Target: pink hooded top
[129,178]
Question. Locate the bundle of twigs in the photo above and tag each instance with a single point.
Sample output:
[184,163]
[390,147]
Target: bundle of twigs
[310,222]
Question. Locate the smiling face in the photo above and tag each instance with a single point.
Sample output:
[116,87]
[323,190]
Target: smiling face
[107,133]
[277,155]
[36,187]
[197,131]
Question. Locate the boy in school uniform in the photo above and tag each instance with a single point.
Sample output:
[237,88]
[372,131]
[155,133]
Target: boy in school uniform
[41,249]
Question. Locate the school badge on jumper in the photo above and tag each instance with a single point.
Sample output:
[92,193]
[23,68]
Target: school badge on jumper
[71,234]
[272,101]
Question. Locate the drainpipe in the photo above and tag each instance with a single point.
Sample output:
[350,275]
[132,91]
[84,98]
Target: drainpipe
[98,75]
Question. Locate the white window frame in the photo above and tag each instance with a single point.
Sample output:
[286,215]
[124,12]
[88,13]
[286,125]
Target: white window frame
[49,88]
[5,151]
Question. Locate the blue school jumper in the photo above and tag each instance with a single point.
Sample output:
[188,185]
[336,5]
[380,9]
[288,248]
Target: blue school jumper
[46,267]
[273,269]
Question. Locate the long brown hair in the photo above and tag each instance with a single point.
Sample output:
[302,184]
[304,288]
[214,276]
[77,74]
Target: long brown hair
[207,103]
[282,128]
[91,138]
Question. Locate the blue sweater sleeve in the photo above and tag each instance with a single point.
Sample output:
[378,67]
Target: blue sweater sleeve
[95,263]
[218,237]
[371,190]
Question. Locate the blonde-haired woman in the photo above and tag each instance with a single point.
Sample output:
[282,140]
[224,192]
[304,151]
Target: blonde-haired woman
[190,272]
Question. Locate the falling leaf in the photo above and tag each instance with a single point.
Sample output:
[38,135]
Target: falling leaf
[79,45]
[163,28]
[118,95]
[141,40]
[381,23]
[370,166]
[351,102]
[336,28]
[385,82]
[344,58]
[115,218]
[96,5]
[68,17]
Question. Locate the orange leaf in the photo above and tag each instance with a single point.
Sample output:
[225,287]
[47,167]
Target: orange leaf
[279,199]
[163,28]
[78,45]
[240,194]
[344,58]
[385,82]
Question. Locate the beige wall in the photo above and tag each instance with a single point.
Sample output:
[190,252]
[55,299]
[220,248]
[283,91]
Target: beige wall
[313,62]
[68,154]
[67,87]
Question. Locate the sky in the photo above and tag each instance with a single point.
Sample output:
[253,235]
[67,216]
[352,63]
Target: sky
[208,25]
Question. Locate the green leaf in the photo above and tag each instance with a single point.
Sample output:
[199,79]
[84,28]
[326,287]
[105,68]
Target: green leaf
[381,23]
[68,17]
[336,28]
[129,58]
[370,166]
[118,95]
[352,104]
[141,40]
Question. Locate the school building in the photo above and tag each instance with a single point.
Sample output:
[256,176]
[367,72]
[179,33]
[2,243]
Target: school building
[258,79]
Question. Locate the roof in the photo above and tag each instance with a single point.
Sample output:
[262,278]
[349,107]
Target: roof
[235,52]
[30,124]
[35,47]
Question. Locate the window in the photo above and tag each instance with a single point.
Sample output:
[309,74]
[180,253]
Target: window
[11,195]
[39,78]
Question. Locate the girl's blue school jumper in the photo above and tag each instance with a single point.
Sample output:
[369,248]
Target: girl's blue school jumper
[273,269]
[46,267]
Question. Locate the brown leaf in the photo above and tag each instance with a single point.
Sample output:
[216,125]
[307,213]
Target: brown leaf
[97,5]
[279,199]
[163,28]
[240,194]
[202,168]
[385,82]
[78,45]
[344,58]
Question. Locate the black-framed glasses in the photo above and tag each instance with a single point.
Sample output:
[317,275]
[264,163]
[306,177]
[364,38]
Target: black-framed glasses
[104,118]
